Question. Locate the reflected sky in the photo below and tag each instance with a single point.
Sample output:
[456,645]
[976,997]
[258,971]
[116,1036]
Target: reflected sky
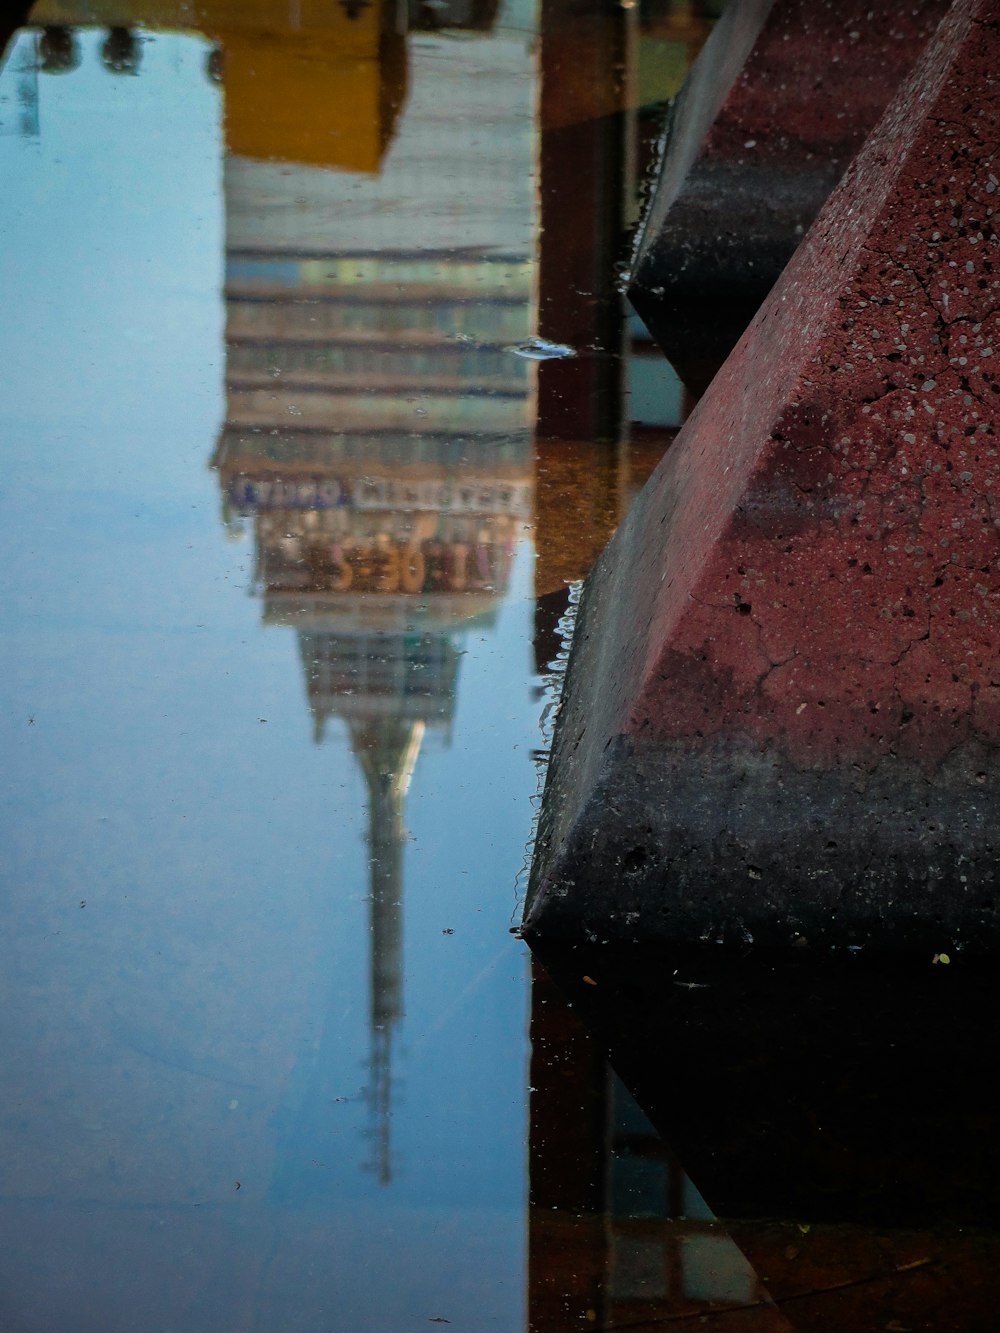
[186,1021]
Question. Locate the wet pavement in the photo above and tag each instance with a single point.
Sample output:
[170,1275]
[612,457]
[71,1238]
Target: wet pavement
[319,397]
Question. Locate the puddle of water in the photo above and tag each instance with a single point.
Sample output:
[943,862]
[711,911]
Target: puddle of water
[320,401]
[270,710]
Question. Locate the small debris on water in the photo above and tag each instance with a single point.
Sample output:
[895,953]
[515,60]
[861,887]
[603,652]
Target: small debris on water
[590,981]
[938,958]
[540,349]
[448,931]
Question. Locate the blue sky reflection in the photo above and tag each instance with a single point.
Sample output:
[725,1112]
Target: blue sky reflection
[184,1028]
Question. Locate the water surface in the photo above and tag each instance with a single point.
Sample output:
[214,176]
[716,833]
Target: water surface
[319,394]
[269,710]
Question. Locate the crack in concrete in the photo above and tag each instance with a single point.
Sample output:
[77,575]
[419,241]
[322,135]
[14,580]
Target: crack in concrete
[920,638]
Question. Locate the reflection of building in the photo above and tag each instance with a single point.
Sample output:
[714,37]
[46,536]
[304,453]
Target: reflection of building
[606,416]
[378,434]
[19,87]
[303,80]
[619,1237]
[377,440]
[387,750]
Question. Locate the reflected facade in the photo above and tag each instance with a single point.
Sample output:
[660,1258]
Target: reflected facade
[377,447]
[373,450]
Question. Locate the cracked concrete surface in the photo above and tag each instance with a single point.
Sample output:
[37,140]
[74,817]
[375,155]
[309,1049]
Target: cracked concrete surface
[803,611]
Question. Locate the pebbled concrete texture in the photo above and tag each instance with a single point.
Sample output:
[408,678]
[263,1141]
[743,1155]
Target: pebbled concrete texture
[782,711]
[779,101]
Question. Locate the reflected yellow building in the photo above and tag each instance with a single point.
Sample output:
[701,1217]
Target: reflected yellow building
[313,81]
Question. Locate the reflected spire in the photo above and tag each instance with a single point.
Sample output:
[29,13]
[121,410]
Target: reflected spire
[387,750]
[387,688]
[377,443]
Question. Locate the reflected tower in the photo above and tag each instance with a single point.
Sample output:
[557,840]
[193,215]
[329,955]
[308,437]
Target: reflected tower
[387,752]
[377,442]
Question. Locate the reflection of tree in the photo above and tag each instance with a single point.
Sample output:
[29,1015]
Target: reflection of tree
[58,50]
[20,63]
[121,52]
[471,15]
[354,8]
[215,64]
